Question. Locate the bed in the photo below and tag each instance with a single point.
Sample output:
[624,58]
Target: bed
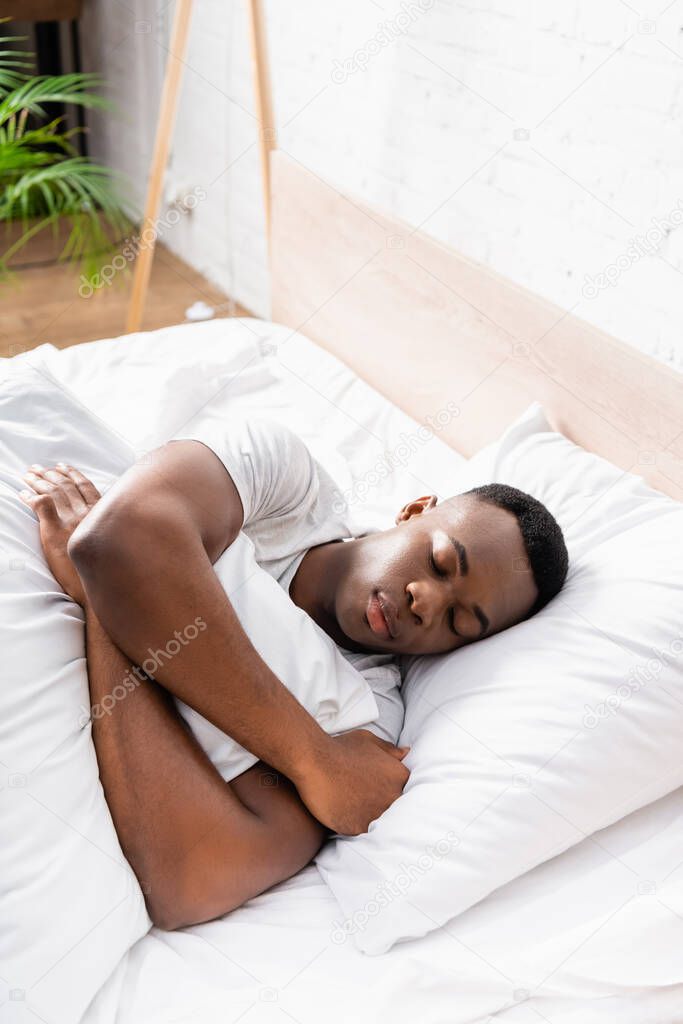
[562,944]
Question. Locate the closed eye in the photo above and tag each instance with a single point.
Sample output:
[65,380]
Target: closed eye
[441,573]
[434,567]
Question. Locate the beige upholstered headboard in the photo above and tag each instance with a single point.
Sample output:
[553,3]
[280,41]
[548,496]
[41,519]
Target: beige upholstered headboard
[426,327]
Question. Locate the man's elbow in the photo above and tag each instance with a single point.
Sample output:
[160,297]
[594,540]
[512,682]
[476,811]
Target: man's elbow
[107,541]
[84,546]
[173,910]
[166,916]
[94,550]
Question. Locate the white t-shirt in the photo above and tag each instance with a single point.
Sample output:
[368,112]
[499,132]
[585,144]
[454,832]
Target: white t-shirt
[291,504]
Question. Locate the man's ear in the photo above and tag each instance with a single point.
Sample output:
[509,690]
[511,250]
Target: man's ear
[416,507]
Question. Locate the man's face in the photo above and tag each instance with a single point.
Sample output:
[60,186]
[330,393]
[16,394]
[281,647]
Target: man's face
[443,577]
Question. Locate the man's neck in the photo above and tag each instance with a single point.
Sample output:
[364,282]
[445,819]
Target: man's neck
[315,584]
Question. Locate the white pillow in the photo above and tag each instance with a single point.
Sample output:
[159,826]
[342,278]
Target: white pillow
[530,740]
[71,905]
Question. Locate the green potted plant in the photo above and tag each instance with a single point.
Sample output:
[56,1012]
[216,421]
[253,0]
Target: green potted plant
[44,182]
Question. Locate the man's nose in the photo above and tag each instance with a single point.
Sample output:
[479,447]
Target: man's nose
[426,600]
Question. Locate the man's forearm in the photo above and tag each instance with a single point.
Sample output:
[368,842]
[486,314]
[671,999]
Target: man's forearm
[152,583]
[198,845]
[132,722]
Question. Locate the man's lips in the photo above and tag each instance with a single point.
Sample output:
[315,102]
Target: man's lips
[381,615]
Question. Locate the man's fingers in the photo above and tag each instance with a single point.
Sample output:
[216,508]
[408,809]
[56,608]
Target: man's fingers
[398,752]
[67,486]
[42,505]
[34,478]
[48,476]
[87,488]
[392,748]
[75,490]
[40,485]
[63,491]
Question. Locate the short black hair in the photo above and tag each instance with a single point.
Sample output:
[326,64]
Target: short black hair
[542,536]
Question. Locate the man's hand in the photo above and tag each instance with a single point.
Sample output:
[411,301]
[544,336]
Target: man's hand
[353,781]
[61,498]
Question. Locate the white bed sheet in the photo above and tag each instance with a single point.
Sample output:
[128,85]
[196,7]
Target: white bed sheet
[594,935]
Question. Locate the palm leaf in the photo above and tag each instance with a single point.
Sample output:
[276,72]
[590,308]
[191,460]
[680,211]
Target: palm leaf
[33,94]
[9,80]
[76,189]
[15,65]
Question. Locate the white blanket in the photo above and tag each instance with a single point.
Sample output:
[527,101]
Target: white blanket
[593,936]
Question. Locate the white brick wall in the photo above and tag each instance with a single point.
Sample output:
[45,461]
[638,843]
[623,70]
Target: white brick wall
[430,130]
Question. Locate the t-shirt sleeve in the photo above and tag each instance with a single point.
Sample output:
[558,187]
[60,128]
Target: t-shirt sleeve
[271,467]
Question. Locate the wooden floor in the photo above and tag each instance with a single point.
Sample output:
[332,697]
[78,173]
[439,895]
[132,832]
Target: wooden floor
[40,302]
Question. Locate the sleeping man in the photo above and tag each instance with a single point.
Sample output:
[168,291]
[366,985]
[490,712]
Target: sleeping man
[139,560]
